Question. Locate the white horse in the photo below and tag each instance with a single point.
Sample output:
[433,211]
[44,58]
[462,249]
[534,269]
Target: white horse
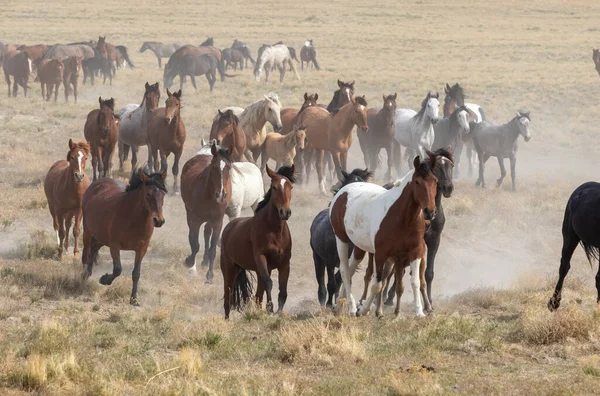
[414,130]
[274,56]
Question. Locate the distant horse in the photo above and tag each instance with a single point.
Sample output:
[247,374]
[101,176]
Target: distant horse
[122,218]
[197,65]
[231,57]
[342,96]
[173,66]
[289,115]
[274,56]
[245,50]
[71,76]
[332,132]
[451,131]
[206,193]
[64,186]
[380,135]
[414,130]
[282,148]
[500,141]
[62,52]
[50,75]
[209,42]
[389,225]
[116,54]
[227,131]
[36,52]
[261,244]
[133,131]
[596,59]
[308,54]
[19,65]
[94,65]
[580,227]
[160,50]
[253,120]
[323,245]
[166,133]
[101,131]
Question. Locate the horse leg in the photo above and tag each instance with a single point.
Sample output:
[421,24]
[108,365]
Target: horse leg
[56,93]
[101,171]
[159,62]
[93,246]
[108,279]
[397,150]
[513,171]
[121,148]
[155,159]
[387,274]
[433,244]
[135,275]
[390,162]
[332,283]
[15,87]
[7,79]
[194,230]
[260,292]
[399,286]
[43,91]
[423,286]
[375,287]
[60,216]
[367,279]
[49,90]
[193,80]
[134,153]
[598,284]
[283,276]
[175,170]
[94,161]
[570,242]
[263,273]
[319,166]
[75,89]
[76,232]
[212,252]
[415,282]
[320,266]
[483,157]
[229,272]
[342,248]
[502,171]
[337,160]
[307,157]
[281,73]
[108,162]
[391,292]
[68,223]
[267,72]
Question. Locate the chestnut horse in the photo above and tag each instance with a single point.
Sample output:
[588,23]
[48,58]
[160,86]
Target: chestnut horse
[206,193]
[71,75]
[227,131]
[389,225]
[261,244]
[64,186]
[289,115]
[332,132]
[122,218]
[19,65]
[101,130]
[166,132]
[36,52]
[50,75]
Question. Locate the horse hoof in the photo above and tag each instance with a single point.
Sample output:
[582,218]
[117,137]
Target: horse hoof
[553,304]
[208,281]
[190,262]
[134,302]
[420,315]
[105,280]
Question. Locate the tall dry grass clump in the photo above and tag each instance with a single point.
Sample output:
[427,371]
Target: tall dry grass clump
[540,327]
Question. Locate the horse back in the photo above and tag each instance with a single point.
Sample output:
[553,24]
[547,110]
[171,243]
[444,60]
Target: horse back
[317,121]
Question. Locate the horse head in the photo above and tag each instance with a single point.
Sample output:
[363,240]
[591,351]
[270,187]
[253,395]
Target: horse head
[272,110]
[443,170]
[220,166]
[77,157]
[431,107]
[425,185]
[523,121]
[152,95]
[389,104]
[360,112]
[172,105]
[153,191]
[281,190]
[299,132]
[107,119]
[309,100]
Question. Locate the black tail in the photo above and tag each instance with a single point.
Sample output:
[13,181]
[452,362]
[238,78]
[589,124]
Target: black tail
[483,115]
[221,68]
[123,50]
[314,59]
[242,289]
[591,252]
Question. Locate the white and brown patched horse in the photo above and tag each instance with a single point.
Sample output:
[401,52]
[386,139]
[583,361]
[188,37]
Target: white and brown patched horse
[389,225]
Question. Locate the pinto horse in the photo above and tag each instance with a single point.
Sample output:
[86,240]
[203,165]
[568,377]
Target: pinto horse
[227,131]
[101,130]
[64,186]
[260,243]
[389,225]
[122,218]
[206,193]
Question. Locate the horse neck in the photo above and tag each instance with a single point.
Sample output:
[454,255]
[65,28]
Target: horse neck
[138,214]
[270,217]
[511,129]
[407,208]
[422,120]
[289,140]
[72,185]
[385,114]
[343,119]
[209,189]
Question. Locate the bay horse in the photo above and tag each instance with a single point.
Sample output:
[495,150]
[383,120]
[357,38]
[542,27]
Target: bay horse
[389,225]
[71,76]
[323,245]
[122,218]
[133,130]
[500,141]
[101,131]
[36,53]
[19,65]
[308,54]
[581,226]
[227,131]
[50,75]
[166,133]
[282,148]
[245,50]
[380,135]
[160,50]
[451,132]
[274,56]
[289,115]
[64,186]
[596,59]
[332,132]
[206,193]
[260,243]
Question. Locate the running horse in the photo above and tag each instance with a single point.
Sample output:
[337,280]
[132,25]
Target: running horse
[260,243]
[227,131]
[101,131]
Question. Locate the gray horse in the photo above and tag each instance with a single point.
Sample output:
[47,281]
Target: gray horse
[450,132]
[197,65]
[160,50]
[500,141]
[245,50]
[62,52]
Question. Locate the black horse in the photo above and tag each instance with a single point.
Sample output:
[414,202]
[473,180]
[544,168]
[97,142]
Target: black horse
[433,233]
[323,245]
[581,225]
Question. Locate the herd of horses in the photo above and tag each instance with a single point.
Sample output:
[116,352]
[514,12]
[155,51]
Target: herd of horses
[397,225]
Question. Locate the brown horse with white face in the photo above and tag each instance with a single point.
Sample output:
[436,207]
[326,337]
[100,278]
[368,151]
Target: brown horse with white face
[227,131]
[261,244]
[64,186]
[289,115]
[122,218]
[166,134]
[101,130]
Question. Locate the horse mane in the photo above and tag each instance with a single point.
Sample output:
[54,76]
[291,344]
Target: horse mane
[336,95]
[364,174]
[255,109]
[110,103]
[421,112]
[135,181]
[444,152]
[456,91]
[285,171]
[229,113]
[425,168]
[361,101]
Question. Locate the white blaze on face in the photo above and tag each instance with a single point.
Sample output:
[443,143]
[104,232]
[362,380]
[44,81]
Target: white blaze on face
[79,158]
[307,43]
[222,165]
[282,181]
[362,108]
[348,94]
[463,120]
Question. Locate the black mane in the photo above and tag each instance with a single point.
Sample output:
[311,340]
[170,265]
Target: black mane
[135,181]
[424,169]
[229,113]
[457,92]
[285,171]
[443,152]
[361,101]
[356,175]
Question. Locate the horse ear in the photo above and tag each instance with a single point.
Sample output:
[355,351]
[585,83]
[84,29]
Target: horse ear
[100,100]
[395,95]
[143,175]
[316,96]
[266,97]
[147,85]
[202,142]
[384,99]
[417,162]
[292,170]
[270,173]
[340,84]
[71,144]
[448,87]
[305,96]
[518,114]
[527,115]
[178,95]
[437,95]
[352,84]
[169,93]
[345,174]
[220,112]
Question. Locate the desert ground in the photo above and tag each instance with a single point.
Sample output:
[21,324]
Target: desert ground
[491,332]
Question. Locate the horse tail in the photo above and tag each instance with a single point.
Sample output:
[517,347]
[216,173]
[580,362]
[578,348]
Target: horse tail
[251,59]
[221,68]
[293,66]
[242,288]
[591,252]
[123,50]
[314,59]
[482,113]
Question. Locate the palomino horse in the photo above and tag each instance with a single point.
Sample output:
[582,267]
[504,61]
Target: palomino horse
[206,193]
[451,132]
[580,226]
[19,65]
[380,135]
[253,120]
[308,54]
[64,186]
[289,115]
[101,130]
[160,50]
[122,218]
[50,75]
[166,133]
[133,131]
[274,56]
[323,245]
[173,66]
[205,64]
[414,130]
[282,148]
[245,50]
[596,59]
[227,131]
[261,244]
[389,225]
[500,141]
[332,132]
[71,76]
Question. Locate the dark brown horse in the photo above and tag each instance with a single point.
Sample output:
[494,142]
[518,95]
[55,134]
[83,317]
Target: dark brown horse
[71,76]
[64,186]
[380,135]
[19,65]
[308,54]
[166,133]
[289,115]
[206,193]
[122,218]
[261,244]
[102,133]
[227,131]
[173,66]
[50,75]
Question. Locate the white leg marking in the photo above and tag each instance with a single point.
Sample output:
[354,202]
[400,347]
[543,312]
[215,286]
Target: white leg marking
[342,249]
[415,283]
[57,239]
[192,270]
[30,67]
[322,187]
[375,289]
[222,165]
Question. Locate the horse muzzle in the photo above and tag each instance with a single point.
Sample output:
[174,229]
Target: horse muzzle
[168,120]
[106,131]
[447,190]
[78,177]
[158,222]
[429,214]
[285,214]
[527,138]
[434,120]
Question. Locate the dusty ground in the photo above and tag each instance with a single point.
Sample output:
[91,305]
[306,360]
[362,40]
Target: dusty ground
[491,333]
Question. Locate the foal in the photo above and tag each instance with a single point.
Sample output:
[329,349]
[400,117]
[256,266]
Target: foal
[101,130]
[282,148]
